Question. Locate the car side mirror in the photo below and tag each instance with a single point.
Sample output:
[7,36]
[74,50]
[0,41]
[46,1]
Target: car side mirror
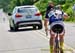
[9,14]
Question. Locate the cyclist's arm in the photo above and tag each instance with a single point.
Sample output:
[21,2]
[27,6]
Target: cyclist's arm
[46,23]
[46,20]
[46,26]
[47,17]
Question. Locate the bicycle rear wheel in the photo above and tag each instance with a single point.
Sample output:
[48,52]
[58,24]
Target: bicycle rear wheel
[58,49]
[57,45]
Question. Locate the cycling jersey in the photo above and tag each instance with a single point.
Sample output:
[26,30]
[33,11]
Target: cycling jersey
[55,15]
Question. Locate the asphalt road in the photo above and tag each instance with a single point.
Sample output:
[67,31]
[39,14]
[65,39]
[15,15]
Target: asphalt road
[70,34]
[22,41]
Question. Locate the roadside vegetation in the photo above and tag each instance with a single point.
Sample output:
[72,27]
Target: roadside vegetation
[67,6]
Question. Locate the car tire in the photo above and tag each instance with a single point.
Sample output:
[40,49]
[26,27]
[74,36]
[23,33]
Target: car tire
[34,27]
[15,28]
[39,26]
[11,28]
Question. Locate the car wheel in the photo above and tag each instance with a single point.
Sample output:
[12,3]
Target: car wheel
[39,26]
[11,28]
[15,28]
[34,26]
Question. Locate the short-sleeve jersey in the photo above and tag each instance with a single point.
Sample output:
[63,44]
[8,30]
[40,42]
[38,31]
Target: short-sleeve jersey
[55,15]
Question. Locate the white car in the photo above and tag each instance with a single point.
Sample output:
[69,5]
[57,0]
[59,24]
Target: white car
[23,16]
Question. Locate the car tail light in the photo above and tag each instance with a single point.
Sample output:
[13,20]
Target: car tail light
[37,14]
[18,15]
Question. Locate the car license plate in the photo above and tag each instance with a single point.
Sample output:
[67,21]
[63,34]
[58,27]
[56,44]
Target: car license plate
[28,16]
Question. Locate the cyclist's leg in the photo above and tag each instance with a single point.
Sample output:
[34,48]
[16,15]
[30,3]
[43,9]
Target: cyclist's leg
[61,36]
[52,41]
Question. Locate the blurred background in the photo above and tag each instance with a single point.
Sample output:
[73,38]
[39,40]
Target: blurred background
[67,6]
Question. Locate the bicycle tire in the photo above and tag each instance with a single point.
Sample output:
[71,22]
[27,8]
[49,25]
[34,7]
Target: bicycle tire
[57,44]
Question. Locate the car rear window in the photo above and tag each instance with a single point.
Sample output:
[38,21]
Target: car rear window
[27,9]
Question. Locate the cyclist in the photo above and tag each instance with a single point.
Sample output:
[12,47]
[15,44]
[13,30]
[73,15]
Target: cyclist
[52,34]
